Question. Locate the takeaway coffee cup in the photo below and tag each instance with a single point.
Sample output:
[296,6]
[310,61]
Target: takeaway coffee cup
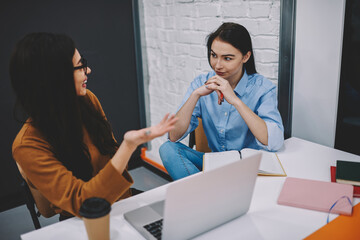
[95,213]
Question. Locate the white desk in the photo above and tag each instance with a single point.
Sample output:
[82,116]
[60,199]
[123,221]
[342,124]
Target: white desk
[265,219]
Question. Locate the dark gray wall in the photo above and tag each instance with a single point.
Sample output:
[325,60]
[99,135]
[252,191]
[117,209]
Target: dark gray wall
[104,33]
[348,114]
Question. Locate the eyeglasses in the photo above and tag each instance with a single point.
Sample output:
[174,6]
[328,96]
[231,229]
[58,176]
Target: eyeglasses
[83,65]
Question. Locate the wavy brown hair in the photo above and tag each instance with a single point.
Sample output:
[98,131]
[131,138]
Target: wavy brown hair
[41,73]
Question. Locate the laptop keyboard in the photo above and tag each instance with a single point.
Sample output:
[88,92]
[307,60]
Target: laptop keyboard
[155,228]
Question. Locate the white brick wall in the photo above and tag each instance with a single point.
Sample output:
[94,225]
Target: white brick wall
[175,33]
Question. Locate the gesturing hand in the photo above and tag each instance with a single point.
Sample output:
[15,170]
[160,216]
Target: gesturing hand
[137,137]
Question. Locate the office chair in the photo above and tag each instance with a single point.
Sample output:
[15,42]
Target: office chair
[198,138]
[34,198]
[30,204]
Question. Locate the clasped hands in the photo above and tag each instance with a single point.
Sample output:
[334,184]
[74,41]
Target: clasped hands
[221,86]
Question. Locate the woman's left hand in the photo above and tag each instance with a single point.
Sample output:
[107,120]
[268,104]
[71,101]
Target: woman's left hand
[137,137]
[221,85]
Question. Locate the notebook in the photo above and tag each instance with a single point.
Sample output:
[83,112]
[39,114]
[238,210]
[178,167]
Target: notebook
[200,202]
[316,195]
[333,179]
[348,172]
[270,164]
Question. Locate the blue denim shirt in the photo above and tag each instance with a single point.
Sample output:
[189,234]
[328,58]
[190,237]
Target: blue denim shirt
[224,127]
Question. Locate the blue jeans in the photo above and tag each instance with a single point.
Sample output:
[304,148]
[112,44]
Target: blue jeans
[179,160]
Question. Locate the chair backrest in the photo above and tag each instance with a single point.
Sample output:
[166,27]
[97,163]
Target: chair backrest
[30,204]
[42,204]
[201,142]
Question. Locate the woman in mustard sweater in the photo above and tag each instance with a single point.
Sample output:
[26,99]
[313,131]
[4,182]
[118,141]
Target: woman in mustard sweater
[66,146]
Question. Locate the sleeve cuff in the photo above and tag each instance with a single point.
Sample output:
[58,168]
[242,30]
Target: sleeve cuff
[275,138]
[115,184]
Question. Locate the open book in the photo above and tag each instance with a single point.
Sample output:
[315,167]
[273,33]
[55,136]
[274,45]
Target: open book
[270,164]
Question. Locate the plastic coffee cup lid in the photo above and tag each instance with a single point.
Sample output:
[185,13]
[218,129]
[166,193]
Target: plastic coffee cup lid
[94,208]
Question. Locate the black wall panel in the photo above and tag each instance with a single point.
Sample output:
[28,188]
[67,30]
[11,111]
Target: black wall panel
[104,33]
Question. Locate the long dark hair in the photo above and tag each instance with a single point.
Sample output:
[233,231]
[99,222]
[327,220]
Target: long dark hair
[239,37]
[42,76]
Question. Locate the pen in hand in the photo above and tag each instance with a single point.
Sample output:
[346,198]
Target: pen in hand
[221,96]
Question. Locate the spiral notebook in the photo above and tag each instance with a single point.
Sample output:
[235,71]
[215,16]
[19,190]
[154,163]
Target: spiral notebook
[316,195]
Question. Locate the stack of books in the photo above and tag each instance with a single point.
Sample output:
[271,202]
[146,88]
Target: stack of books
[347,172]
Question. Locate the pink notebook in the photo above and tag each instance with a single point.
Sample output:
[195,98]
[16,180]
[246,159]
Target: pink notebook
[316,195]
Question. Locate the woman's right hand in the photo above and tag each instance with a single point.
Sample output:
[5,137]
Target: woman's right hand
[203,91]
[136,137]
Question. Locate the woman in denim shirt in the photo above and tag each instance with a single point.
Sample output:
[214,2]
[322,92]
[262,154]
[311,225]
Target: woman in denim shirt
[238,106]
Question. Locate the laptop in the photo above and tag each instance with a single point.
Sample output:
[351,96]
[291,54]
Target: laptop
[200,202]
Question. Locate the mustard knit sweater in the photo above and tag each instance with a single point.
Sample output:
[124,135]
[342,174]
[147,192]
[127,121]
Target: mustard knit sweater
[66,192]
